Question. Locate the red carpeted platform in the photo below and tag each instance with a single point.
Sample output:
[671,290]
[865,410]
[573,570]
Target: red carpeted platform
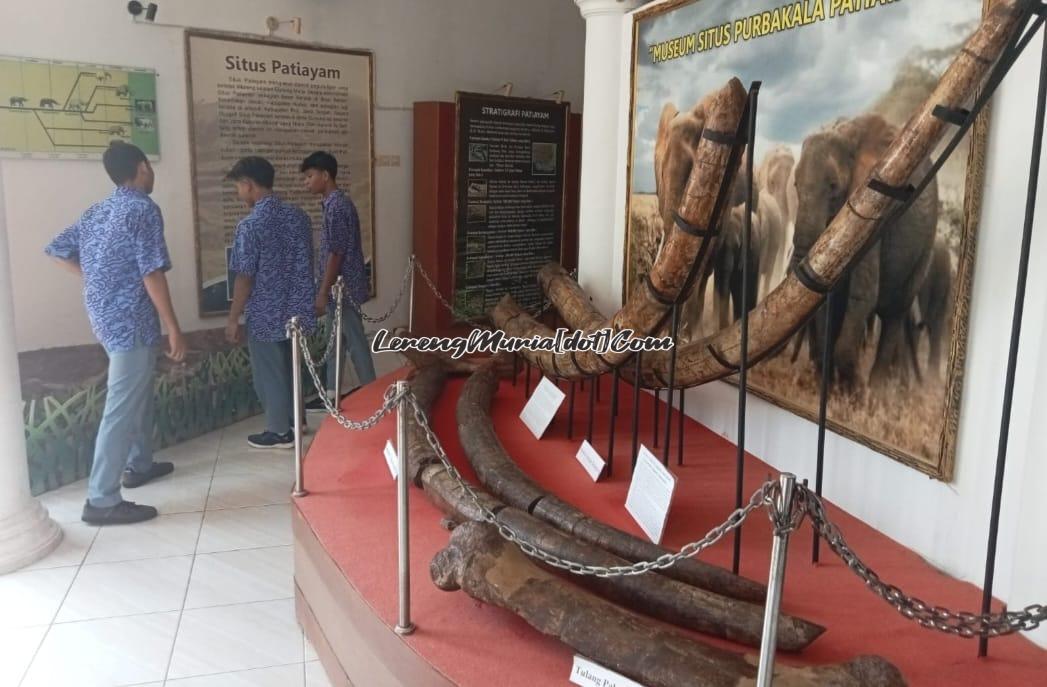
[346,560]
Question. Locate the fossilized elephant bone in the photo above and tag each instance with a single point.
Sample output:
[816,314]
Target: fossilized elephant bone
[486,567]
[654,595]
[788,307]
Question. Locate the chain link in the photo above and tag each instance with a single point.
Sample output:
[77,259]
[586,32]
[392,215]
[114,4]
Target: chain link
[404,281]
[331,335]
[474,320]
[960,624]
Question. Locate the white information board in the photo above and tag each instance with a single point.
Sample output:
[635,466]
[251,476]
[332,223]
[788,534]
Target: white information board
[542,406]
[650,494]
[590,459]
[392,459]
[585,672]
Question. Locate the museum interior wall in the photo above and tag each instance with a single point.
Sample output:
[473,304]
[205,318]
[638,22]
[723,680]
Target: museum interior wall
[422,51]
[945,522]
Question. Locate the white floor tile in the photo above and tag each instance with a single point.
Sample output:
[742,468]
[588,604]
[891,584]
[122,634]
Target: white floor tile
[233,638]
[279,676]
[19,645]
[176,493]
[103,653]
[33,597]
[77,538]
[162,537]
[241,577]
[252,461]
[263,488]
[315,675]
[65,504]
[310,652]
[108,590]
[245,528]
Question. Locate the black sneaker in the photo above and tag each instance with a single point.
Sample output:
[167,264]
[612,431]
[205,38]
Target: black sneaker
[316,406]
[123,513]
[272,440]
[132,479]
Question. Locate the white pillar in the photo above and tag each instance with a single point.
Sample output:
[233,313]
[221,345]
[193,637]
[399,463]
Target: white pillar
[27,533]
[600,163]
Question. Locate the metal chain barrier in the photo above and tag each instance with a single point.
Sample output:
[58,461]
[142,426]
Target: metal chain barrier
[960,624]
[334,325]
[404,282]
[474,319]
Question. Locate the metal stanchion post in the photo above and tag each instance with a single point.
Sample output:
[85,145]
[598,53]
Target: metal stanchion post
[679,436]
[657,407]
[570,411]
[823,412]
[592,409]
[404,626]
[612,423]
[516,367]
[636,409]
[296,387]
[782,524]
[339,294]
[527,386]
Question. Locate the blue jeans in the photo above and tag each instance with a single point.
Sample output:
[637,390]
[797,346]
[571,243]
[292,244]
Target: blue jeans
[125,437]
[355,343]
[271,370]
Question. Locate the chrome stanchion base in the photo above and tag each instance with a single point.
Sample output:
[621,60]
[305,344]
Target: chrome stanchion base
[404,631]
[299,493]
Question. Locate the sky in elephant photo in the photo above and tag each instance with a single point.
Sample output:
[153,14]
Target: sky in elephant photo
[811,74]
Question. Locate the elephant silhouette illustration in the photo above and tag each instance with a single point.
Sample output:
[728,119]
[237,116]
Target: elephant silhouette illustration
[123,92]
[18,101]
[49,103]
[834,162]
[117,131]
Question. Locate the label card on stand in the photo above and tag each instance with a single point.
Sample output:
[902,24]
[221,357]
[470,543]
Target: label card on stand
[392,458]
[650,494]
[590,460]
[541,408]
[588,674]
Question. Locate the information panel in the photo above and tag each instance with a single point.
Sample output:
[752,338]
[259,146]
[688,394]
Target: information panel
[282,102]
[509,176]
[68,110]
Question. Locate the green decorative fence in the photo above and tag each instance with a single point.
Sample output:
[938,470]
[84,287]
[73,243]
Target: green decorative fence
[213,391]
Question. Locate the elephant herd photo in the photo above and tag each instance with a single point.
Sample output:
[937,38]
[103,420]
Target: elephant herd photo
[834,95]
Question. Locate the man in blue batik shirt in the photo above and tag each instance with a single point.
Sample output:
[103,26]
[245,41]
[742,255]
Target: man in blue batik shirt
[118,248]
[341,253]
[273,260]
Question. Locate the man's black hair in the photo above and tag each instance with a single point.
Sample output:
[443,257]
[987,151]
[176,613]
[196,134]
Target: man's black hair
[257,169]
[325,162]
[121,161]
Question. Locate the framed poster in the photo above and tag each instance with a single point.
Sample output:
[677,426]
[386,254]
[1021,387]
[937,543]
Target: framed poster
[839,78]
[509,197]
[282,101]
[53,110]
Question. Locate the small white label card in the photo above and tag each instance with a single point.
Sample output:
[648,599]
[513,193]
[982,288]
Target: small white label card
[585,672]
[650,494]
[590,460]
[392,458]
[542,406]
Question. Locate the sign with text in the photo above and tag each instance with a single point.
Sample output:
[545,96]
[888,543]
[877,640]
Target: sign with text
[392,459]
[509,197]
[650,494]
[588,674]
[590,459]
[282,102]
[542,406]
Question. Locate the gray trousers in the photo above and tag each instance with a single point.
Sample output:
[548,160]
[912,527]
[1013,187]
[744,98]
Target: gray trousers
[271,371]
[354,342]
[125,437]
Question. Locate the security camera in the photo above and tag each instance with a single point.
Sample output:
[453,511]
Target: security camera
[136,8]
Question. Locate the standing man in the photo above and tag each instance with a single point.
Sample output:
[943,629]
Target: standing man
[341,253]
[118,248]
[273,260]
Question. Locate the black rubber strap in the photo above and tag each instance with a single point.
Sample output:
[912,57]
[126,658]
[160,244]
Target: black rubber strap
[724,138]
[720,359]
[900,193]
[952,115]
[688,228]
[656,294]
[806,276]
[658,376]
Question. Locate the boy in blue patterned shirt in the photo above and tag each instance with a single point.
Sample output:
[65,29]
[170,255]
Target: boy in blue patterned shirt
[118,248]
[273,260]
[341,253]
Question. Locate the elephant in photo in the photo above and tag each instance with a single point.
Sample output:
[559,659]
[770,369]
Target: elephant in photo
[935,301]
[774,178]
[729,263]
[835,162]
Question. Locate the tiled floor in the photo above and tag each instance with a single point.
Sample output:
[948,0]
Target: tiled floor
[200,597]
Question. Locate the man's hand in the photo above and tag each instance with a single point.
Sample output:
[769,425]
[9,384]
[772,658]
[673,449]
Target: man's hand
[232,332]
[321,304]
[176,346]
